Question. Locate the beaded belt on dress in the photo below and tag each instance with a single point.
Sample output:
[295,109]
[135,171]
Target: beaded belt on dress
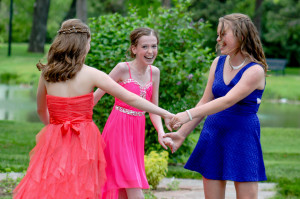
[129,112]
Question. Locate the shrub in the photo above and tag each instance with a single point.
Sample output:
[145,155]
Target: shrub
[156,167]
[182,59]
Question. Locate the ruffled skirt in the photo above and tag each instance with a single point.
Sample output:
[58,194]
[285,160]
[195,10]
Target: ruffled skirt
[67,165]
[124,136]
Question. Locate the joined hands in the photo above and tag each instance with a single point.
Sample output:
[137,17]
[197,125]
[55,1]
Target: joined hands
[174,140]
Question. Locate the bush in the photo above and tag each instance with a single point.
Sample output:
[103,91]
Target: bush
[182,59]
[156,167]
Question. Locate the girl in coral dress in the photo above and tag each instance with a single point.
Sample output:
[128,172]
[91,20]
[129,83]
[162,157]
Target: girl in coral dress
[124,131]
[68,161]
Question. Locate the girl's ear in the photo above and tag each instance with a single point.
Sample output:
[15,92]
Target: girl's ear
[133,49]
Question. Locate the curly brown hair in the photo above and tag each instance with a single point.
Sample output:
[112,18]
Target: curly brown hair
[67,53]
[247,36]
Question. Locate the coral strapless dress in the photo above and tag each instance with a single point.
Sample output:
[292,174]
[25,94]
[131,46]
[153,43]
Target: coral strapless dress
[67,161]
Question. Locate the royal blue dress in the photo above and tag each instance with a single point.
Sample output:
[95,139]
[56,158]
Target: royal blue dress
[229,145]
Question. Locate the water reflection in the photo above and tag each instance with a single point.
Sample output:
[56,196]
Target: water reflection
[279,115]
[19,103]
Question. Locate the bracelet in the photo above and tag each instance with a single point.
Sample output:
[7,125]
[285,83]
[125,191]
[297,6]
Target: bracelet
[190,116]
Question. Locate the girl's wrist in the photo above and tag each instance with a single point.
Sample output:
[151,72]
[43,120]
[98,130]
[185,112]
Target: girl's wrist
[189,115]
[165,114]
[162,133]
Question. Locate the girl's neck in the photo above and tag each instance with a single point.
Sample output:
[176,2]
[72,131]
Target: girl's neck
[138,67]
[237,58]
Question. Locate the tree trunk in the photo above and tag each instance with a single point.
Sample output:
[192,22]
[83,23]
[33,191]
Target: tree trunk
[258,15]
[72,11]
[166,3]
[81,10]
[39,26]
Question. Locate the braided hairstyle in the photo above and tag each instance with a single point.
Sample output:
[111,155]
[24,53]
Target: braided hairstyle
[67,53]
[247,36]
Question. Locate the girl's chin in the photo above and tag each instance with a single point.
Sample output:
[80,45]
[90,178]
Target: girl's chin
[149,61]
[223,52]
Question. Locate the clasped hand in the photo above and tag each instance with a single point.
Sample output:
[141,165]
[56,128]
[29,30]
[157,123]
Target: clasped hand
[174,140]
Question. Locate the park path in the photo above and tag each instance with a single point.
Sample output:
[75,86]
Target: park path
[193,189]
[188,188]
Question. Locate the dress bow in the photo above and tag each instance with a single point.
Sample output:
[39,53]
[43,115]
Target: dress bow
[68,126]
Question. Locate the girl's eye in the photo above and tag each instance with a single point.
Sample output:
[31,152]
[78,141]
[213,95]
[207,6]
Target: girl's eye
[154,46]
[144,47]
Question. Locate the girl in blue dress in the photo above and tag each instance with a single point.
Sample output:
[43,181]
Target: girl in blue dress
[229,145]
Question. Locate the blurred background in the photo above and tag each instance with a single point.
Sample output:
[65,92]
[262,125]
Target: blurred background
[187,32]
[278,21]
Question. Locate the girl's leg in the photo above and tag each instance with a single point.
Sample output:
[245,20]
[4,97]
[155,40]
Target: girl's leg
[246,190]
[214,189]
[135,193]
[122,194]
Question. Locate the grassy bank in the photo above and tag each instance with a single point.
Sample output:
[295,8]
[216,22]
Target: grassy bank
[20,67]
[281,147]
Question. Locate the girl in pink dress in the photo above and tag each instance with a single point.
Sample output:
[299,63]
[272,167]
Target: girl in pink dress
[124,131]
[68,161]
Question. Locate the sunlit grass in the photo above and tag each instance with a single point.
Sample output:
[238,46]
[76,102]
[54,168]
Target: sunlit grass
[20,67]
[281,148]
[286,86]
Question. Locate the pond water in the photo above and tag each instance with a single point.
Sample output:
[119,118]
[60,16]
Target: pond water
[19,103]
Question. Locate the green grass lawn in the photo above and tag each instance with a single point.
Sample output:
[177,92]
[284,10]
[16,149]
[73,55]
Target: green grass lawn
[20,67]
[281,148]
[16,140]
[285,86]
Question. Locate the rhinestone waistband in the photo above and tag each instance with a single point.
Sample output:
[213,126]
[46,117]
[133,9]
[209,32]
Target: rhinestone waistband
[129,112]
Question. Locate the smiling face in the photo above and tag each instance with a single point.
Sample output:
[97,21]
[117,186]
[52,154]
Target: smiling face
[146,49]
[227,41]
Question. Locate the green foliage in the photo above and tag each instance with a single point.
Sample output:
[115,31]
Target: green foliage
[156,167]
[143,6]
[8,184]
[173,185]
[182,59]
[148,194]
[281,27]
[179,172]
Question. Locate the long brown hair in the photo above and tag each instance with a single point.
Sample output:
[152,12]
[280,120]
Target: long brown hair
[136,34]
[67,53]
[247,36]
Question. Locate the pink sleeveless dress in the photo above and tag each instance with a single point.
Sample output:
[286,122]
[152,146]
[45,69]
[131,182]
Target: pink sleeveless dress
[68,160]
[124,136]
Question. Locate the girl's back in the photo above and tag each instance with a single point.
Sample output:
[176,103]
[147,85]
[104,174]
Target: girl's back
[79,85]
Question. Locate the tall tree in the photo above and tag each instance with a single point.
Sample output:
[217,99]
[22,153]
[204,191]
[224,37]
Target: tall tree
[39,26]
[81,10]
[166,3]
[72,11]
[258,15]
